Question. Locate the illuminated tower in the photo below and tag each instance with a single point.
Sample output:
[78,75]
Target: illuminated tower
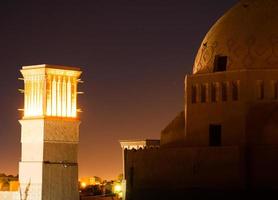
[50,133]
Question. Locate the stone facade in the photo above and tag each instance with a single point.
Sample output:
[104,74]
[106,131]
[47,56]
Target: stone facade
[225,141]
[48,169]
[9,196]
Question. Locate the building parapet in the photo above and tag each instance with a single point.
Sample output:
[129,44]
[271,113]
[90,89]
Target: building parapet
[139,144]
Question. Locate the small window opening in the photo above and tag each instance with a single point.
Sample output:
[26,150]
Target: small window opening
[213,92]
[275,90]
[224,91]
[260,90]
[131,176]
[235,89]
[194,94]
[203,93]
[220,63]
[215,135]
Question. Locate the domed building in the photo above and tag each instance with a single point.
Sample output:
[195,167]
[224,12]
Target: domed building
[226,139]
[234,84]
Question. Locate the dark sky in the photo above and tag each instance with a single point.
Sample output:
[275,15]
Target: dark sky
[134,55]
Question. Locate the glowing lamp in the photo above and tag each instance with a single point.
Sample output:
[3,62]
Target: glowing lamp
[83,184]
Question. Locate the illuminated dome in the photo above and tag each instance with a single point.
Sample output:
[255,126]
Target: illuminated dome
[247,36]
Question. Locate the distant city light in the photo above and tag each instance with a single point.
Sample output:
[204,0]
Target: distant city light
[118,188]
[83,184]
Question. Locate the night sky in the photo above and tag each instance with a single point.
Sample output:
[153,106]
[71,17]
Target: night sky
[134,56]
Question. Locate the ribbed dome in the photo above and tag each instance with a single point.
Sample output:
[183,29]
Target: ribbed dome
[247,34]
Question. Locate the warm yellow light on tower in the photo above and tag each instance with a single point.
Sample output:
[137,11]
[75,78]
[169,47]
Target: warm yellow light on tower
[50,91]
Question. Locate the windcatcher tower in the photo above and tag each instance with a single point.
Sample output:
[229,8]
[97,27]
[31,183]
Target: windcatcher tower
[50,133]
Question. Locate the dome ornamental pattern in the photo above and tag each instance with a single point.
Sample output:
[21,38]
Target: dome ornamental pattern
[246,37]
